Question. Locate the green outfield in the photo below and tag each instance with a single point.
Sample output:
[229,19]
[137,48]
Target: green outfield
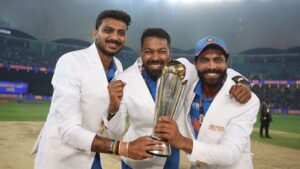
[285,129]
[23,110]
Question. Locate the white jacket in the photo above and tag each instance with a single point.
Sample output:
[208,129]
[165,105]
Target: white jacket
[79,100]
[224,138]
[137,102]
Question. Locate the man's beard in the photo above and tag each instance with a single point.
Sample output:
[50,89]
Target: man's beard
[153,74]
[212,83]
[101,48]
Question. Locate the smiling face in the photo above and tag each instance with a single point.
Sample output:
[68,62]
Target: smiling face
[110,36]
[155,54]
[211,65]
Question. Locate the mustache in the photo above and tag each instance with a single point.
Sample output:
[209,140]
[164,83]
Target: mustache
[154,62]
[211,71]
[114,42]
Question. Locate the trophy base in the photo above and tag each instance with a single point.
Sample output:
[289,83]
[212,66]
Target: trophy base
[165,152]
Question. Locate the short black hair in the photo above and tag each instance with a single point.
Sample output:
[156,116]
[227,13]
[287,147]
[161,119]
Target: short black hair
[213,46]
[155,32]
[115,14]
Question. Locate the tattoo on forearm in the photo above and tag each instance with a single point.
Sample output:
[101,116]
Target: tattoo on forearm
[101,144]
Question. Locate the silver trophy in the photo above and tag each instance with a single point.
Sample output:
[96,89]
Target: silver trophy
[170,89]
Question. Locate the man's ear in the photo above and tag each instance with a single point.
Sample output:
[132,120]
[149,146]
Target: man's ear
[195,60]
[94,34]
[227,60]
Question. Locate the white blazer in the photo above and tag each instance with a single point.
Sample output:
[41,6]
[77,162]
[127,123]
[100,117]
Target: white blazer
[137,102]
[224,138]
[79,100]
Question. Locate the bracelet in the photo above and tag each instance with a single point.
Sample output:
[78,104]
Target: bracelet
[114,147]
[121,150]
[127,146]
[111,149]
[117,148]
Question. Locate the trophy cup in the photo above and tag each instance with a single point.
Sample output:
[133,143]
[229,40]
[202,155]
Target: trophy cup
[167,98]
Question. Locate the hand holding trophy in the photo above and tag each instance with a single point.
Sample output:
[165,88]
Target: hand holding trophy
[171,86]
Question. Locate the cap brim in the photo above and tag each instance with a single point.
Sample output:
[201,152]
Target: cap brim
[213,43]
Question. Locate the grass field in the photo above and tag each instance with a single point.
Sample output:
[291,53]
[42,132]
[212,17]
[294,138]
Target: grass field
[24,110]
[285,129]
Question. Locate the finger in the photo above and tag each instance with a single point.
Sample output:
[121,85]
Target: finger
[118,82]
[157,147]
[165,119]
[153,142]
[163,135]
[147,155]
[163,126]
[232,89]
[245,98]
[145,138]
[114,84]
[237,90]
[241,92]
[163,129]
[115,87]
[116,93]
[240,95]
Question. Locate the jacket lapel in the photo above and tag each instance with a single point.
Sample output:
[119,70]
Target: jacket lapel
[214,109]
[143,91]
[187,107]
[97,64]
[99,72]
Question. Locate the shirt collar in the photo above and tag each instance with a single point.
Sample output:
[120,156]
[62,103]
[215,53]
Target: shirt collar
[147,77]
[199,91]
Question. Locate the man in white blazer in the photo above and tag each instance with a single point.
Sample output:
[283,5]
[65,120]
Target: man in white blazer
[219,127]
[139,97]
[70,137]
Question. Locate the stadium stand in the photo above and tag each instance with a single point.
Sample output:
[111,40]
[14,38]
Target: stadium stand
[23,58]
[266,63]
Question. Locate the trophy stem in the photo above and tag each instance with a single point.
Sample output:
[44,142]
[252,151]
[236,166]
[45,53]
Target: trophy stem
[168,95]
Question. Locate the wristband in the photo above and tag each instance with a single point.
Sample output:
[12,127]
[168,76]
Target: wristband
[111,146]
[241,80]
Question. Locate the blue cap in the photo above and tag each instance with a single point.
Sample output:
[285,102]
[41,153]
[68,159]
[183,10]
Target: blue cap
[201,44]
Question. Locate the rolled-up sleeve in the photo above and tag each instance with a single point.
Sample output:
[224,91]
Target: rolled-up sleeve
[66,104]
